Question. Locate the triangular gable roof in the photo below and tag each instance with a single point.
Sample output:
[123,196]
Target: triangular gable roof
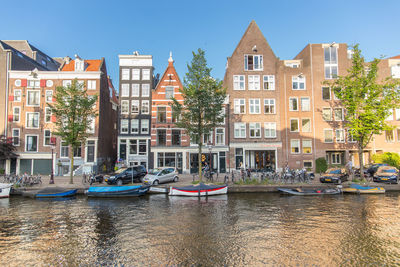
[395,57]
[92,65]
[170,68]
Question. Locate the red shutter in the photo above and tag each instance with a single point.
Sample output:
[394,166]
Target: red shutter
[52,141]
[24,82]
[9,140]
[53,118]
[10,118]
[10,98]
[53,99]
[42,83]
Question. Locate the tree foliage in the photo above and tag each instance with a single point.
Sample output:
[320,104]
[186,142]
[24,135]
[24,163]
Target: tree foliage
[367,100]
[7,149]
[74,112]
[390,158]
[203,96]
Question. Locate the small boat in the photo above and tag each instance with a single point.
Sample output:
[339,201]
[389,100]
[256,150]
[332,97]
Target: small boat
[198,190]
[359,189]
[310,192]
[158,190]
[55,192]
[5,190]
[117,191]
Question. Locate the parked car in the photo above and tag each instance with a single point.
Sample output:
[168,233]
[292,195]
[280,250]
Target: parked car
[161,175]
[387,174]
[334,175]
[126,175]
[374,167]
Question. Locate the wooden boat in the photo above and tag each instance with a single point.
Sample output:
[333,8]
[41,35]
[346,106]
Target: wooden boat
[359,189]
[5,190]
[199,190]
[158,190]
[52,192]
[310,192]
[117,191]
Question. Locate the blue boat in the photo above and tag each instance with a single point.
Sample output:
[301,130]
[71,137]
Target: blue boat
[55,192]
[117,191]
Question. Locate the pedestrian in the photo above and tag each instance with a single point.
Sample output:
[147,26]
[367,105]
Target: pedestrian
[349,167]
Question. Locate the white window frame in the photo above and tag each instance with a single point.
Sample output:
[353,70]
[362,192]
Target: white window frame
[386,136]
[350,138]
[334,114]
[145,74]
[27,98]
[135,103]
[38,116]
[322,93]
[220,135]
[269,80]
[26,142]
[291,106]
[308,161]
[271,128]
[17,82]
[125,74]
[292,141]
[397,114]
[49,96]
[144,122]
[238,103]
[303,146]
[330,64]
[44,137]
[260,62]
[299,80]
[66,83]
[256,127]
[136,74]
[298,125]
[92,84]
[302,125]
[47,109]
[171,92]
[61,150]
[33,84]
[92,125]
[331,115]
[125,105]
[335,156]
[325,131]
[135,90]
[145,90]
[270,102]
[13,136]
[239,82]
[19,93]
[19,113]
[145,103]
[254,82]
[127,126]
[135,122]
[124,89]
[241,127]
[302,105]
[254,107]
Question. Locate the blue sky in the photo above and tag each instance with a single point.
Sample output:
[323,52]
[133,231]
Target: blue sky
[95,29]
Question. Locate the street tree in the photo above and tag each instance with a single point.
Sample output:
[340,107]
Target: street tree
[204,97]
[74,112]
[7,148]
[368,100]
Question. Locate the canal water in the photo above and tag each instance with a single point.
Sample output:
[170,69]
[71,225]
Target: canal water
[230,230]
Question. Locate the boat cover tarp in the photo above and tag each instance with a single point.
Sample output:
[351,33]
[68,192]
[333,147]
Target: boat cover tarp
[198,187]
[360,187]
[101,189]
[54,190]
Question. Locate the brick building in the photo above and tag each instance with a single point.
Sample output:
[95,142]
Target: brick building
[30,122]
[281,111]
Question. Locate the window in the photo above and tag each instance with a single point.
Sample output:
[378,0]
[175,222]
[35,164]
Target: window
[125,74]
[351,137]
[91,128]
[175,117]
[142,147]
[145,74]
[238,82]
[307,146]
[223,115]
[269,106]
[145,107]
[64,150]
[294,125]
[326,93]
[328,135]
[398,114]
[91,150]
[293,104]
[33,98]
[338,114]
[254,82]
[32,120]
[47,137]
[176,137]
[335,93]
[255,129]
[135,106]
[327,114]
[330,62]
[253,62]
[398,134]
[145,126]
[66,83]
[390,117]
[306,125]
[305,104]
[295,146]
[135,126]
[219,136]
[17,83]
[161,114]
[124,126]
[161,137]
[239,106]
[92,85]
[298,83]
[269,82]
[124,106]
[33,83]
[135,90]
[169,92]
[270,129]
[336,158]
[31,143]
[395,71]
[17,95]
[145,90]
[49,96]
[254,106]
[308,164]
[15,136]
[133,147]
[389,135]
[125,90]
[47,115]
[16,114]
[240,130]
[78,151]
[207,138]
[135,74]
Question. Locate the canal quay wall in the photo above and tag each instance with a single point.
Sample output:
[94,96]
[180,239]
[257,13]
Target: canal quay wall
[184,180]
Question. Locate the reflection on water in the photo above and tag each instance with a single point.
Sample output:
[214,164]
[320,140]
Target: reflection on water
[234,230]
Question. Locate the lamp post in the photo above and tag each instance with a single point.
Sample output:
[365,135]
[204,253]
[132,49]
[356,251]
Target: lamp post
[53,145]
[209,146]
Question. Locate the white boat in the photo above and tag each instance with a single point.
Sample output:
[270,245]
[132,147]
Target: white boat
[5,190]
[198,190]
[158,190]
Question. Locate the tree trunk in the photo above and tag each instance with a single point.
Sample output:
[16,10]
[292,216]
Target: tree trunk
[71,174]
[200,174]
[361,160]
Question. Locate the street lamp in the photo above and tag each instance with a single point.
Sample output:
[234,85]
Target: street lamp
[53,146]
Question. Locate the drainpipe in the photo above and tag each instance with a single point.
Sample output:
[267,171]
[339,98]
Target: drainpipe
[6,100]
[313,105]
[286,129]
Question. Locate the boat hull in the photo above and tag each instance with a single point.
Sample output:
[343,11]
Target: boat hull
[297,192]
[377,190]
[176,191]
[68,193]
[117,191]
[5,190]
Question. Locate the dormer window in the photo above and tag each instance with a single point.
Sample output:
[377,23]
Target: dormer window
[79,64]
[253,62]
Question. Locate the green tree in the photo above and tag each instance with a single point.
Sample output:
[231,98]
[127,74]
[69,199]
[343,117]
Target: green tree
[7,149]
[74,112]
[203,101]
[367,100]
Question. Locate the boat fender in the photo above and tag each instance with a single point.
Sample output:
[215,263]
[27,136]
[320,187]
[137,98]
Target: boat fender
[318,191]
